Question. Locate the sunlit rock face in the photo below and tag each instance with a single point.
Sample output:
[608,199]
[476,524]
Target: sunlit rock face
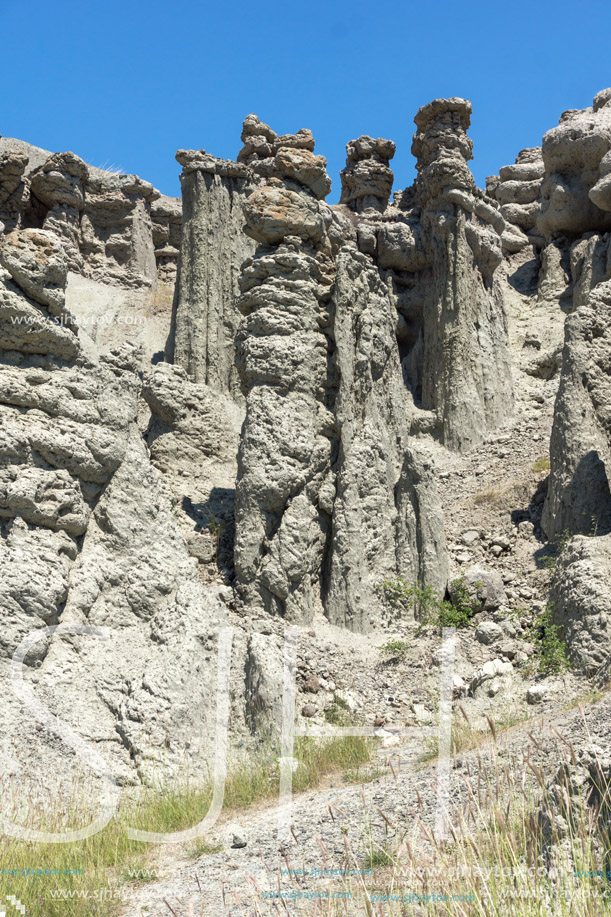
[576,192]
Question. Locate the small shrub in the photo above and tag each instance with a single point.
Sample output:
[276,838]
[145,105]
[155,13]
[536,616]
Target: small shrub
[395,648]
[541,464]
[553,657]
[427,607]
[417,598]
[460,610]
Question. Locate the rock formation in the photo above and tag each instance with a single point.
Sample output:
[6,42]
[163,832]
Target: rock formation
[205,319]
[282,463]
[518,191]
[367,179]
[466,370]
[12,187]
[327,414]
[117,228]
[88,536]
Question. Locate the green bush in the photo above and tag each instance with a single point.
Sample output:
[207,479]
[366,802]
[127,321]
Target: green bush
[426,605]
[553,657]
[395,648]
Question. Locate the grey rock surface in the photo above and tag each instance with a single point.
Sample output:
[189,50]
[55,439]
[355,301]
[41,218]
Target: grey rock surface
[115,228]
[367,179]
[88,536]
[386,520]
[205,318]
[330,497]
[575,189]
[579,499]
[581,601]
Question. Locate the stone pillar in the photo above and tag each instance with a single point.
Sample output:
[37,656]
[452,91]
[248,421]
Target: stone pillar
[367,179]
[213,247]
[286,450]
[466,366]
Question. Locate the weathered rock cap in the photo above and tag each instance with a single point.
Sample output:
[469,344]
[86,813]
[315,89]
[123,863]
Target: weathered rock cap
[261,143]
[200,161]
[12,167]
[442,129]
[61,181]
[304,167]
[366,147]
[601,99]
[454,109]
[367,180]
[253,127]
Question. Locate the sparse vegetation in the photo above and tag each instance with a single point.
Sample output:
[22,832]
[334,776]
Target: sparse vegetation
[491,496]
[106,859]
[516,847]
[337,713]
[553,656]
[398,648]
[466,736]
[427,607]
[553,550]
[541,464]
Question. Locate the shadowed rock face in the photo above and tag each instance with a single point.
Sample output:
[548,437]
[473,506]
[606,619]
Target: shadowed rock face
[466,375]
[576,212]
[204,317]
[438,246]
[12,187]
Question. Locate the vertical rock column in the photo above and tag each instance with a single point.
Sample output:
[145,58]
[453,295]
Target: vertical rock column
[205,318]
[288,438]
[466,362]
[367,179]
[60,185]
[12,187]
[387,521]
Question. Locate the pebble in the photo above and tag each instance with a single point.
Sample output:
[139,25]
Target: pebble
[536,694]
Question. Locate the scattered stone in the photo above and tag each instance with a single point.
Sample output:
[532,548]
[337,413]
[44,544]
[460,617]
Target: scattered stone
[502,542]
[470,538]
[488,632]
[486,585]
[312,685]
[490,670]
[309,710]
[536,694]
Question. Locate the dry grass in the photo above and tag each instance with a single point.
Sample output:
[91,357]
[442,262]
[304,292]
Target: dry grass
[487,497]
[105,860]
[542,463]
[466,736]
[504,855]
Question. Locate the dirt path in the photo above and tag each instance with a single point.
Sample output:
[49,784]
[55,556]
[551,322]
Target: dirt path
[234,881]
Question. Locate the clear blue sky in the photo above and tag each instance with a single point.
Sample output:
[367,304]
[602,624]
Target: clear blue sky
[129,83]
